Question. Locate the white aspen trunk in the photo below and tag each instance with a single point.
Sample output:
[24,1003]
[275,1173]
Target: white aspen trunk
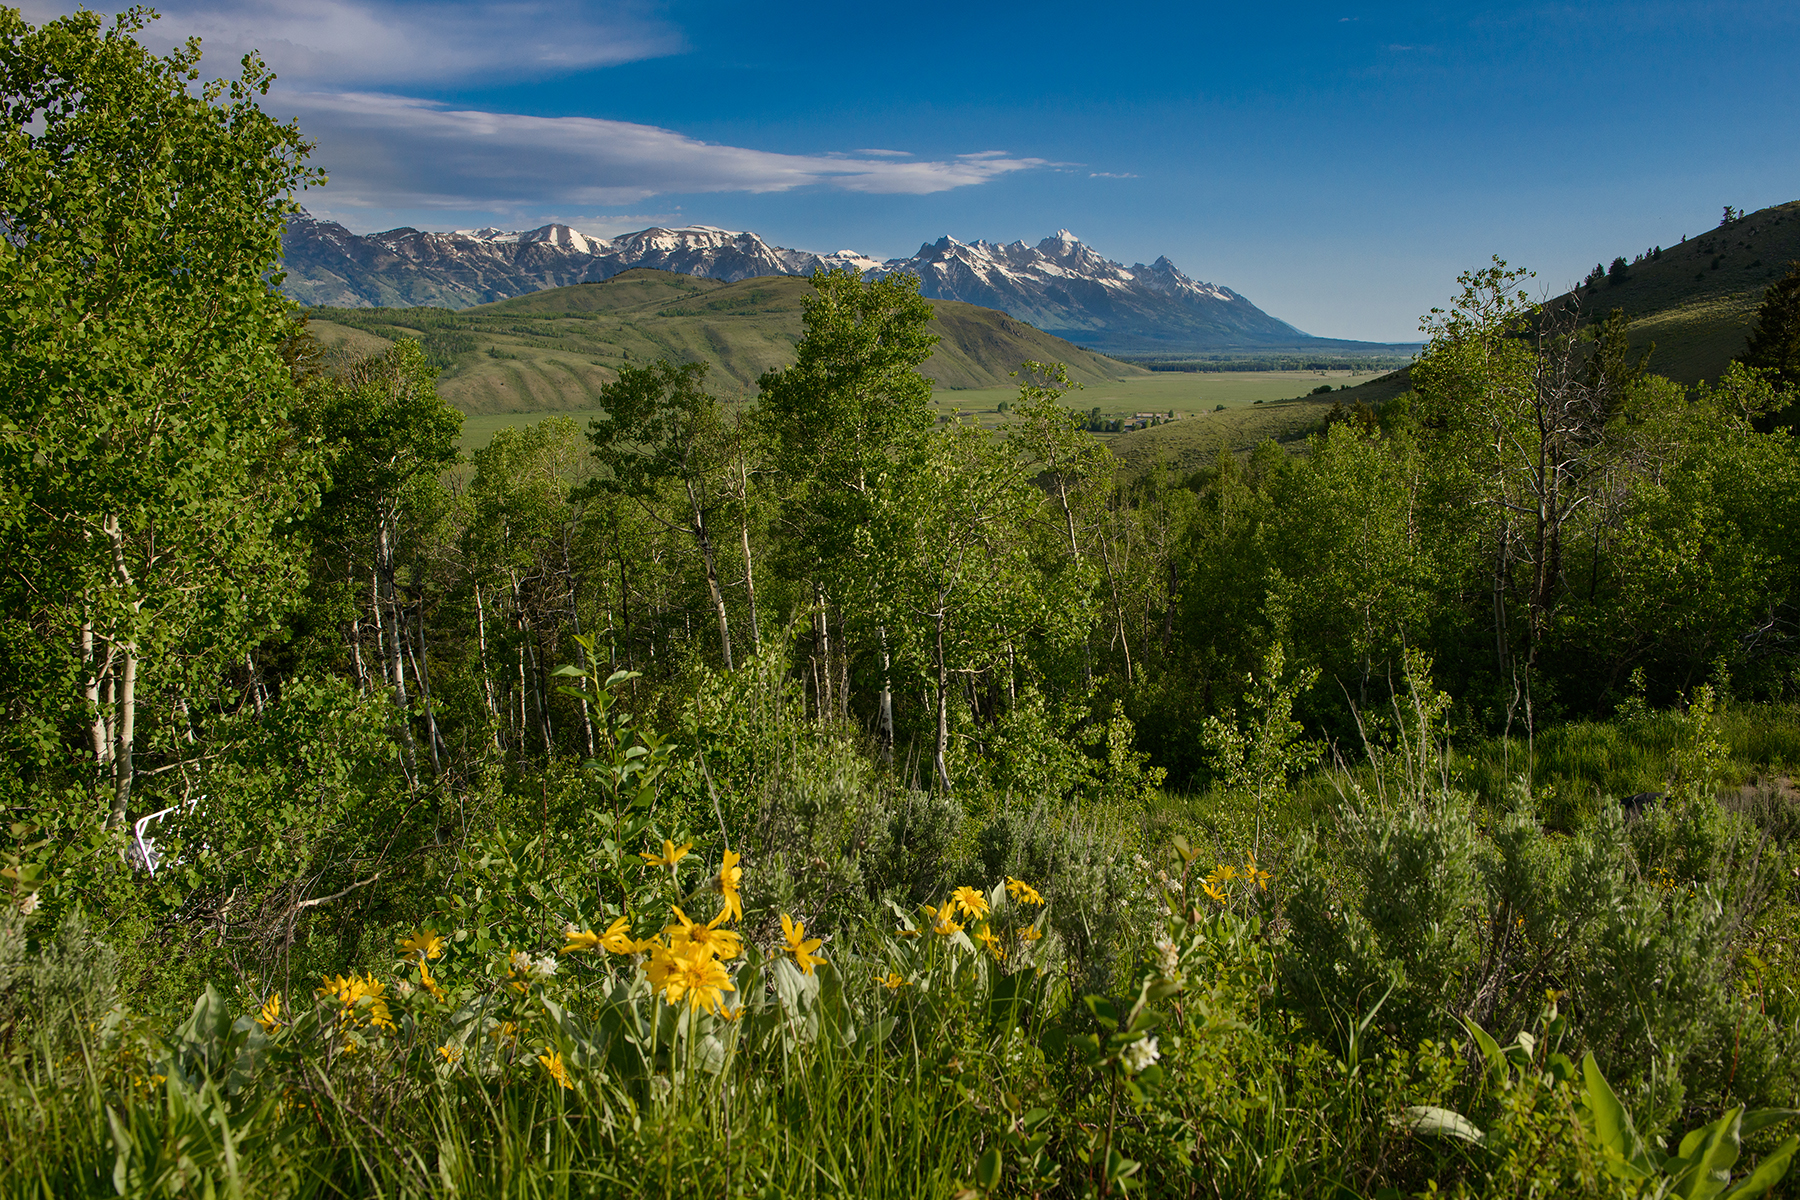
[356,640]
[884,719]
[822,634]
[122,773]
[943,706]
[487,677]
[99,731]
[256,693]
[125,727]
[388,615]
[749,570]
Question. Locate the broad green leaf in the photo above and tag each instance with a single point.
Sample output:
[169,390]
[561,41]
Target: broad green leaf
[1768,1173]
[1442,1122]
[1624,1150]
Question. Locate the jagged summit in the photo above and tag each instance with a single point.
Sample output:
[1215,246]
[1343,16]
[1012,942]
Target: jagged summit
[1061,285]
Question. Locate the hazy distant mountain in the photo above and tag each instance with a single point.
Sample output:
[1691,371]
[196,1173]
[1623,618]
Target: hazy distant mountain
[1060,285]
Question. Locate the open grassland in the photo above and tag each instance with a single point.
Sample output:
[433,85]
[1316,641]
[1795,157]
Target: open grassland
[1257,405]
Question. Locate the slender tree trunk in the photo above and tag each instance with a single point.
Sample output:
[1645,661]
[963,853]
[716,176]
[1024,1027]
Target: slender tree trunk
[389,617]
[423,675]
[884,719]
[125,729]
[712,574]
[587,721]
[749,571]
[356,637]
[1117,605]
[943,705]
[95,672]
[487,677]
[822,637]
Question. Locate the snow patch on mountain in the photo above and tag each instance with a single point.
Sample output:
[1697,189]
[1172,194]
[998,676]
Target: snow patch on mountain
[1061,285]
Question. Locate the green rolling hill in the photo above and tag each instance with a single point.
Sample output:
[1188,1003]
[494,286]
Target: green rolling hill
[1696,300]
[553,350]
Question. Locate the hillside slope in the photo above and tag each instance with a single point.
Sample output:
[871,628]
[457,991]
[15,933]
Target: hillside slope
[1695,300]
[555,349]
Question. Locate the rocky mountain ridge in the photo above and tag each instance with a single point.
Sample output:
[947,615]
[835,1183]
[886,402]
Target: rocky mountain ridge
[1061,285]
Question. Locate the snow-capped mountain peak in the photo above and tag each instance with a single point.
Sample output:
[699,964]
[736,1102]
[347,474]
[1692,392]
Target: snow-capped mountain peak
[1061,285]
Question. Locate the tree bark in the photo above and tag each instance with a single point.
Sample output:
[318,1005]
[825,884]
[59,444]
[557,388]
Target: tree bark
[943,705]
[712,573]
[487,678]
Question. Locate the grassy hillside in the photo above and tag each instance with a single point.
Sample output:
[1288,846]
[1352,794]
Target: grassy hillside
[554,350]
[1697,299]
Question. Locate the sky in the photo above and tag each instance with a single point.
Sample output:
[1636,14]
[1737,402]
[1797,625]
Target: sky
[1338,164]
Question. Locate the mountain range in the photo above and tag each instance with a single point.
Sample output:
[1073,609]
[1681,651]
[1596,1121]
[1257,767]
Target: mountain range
[1060,286]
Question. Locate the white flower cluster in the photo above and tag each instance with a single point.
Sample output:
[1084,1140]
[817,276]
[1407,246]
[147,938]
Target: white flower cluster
[29,905]
[1140,1055]
[535,969]
[1168,958]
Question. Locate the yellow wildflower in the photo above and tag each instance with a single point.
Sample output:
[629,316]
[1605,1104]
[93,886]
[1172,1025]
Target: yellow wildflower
[1031,933]
[942,922]
[695,975]
[450,1054]
[708,938]
[986,937]
[891,981]
[1022,892]
[362,993]
[1223,873]
[799,945]
[726,884]
[1253,875]
[421,945]
[431,985]
[1207,886]
[270,1017]
[732,1013]
[553,1063]
[671,854]
[972,902]
[580,941]
[907,933]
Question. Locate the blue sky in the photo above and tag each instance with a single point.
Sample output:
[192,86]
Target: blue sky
[1337,164]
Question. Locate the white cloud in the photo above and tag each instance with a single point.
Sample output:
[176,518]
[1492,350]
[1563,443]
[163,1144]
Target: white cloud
[386,151]
[347,43]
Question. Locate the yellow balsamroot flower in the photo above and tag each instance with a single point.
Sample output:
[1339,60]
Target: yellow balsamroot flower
[708,938]
[1221,874]
[450,1054]
[972,902]
[1022,892]
[1253,875]
[695,975]
[420,945]
[799,945]
[891,981]
[986,937]
[580,941]
[732,1013]
[553,1063]
[726,884]
[671,854]
[942,922]
[270,1017]
[1207,886]
[359,994]
[431,985]
[1031,933]
[618,940]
